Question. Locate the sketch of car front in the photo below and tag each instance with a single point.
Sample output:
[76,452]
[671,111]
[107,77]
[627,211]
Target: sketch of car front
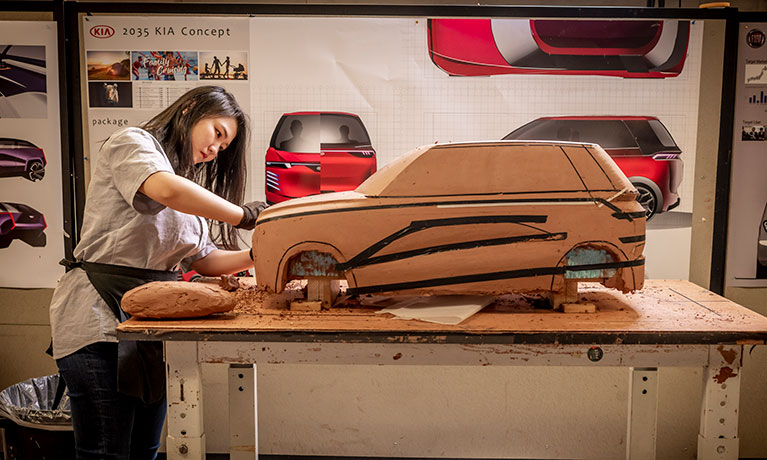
[641,146]
[483,217]
[21,158]
[622,48]
[19,221]
[317,152]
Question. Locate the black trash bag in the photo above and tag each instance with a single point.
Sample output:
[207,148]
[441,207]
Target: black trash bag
[38,402]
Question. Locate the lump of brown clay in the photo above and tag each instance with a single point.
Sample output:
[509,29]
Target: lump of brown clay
[229,283]
[177,299]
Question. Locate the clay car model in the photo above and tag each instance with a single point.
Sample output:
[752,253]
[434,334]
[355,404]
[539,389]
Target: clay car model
[317,152]
[761,247]
[21,158]
[622,48]
[479,217]
[641,146]
[19,221]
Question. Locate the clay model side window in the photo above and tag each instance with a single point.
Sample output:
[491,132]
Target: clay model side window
[343,131]
[590,171]
[487,169]
[297,133]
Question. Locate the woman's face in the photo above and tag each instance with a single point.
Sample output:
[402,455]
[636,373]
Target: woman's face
[210,136]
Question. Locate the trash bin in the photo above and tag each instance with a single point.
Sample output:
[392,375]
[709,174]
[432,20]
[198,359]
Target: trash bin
[36,421]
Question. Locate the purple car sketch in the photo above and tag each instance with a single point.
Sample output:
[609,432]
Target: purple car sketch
[21,158]
[23,81]
[22,222]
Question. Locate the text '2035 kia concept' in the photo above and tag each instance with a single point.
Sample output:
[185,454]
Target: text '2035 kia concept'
[479,218]
[620,48]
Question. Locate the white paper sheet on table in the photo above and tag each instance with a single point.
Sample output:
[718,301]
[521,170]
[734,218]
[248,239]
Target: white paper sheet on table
[446,309]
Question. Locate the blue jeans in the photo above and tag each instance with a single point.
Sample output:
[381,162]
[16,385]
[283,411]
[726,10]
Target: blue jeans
[107,424]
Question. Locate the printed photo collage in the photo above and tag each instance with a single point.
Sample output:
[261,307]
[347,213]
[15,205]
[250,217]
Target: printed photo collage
[123,78]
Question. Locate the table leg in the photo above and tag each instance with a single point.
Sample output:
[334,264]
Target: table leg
[186,438]
[243,412]
[718,437]
[643,413]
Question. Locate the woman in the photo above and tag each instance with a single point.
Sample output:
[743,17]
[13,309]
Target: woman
[150,189]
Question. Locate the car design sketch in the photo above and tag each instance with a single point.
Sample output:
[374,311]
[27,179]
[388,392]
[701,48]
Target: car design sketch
[317,152]
[23,82]
[19,221]
[477,217]
[621,48]
[641,146]
[21,158]
[761,247]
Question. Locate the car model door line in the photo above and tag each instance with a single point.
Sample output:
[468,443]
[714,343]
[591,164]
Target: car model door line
[465,203]
[494,276]
[454,247]
[365,257]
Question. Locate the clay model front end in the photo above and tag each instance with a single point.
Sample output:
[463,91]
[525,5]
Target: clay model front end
[467,218]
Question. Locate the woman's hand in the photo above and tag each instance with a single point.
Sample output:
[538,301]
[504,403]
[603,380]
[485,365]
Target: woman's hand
[250,214]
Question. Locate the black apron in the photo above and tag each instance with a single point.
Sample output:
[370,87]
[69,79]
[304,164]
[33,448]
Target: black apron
[140,365]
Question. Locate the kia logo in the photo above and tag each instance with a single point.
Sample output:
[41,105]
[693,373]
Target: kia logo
[102,31]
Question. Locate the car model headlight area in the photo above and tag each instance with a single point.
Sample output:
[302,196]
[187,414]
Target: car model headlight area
[21,222]
[640,145]
[317,152]
[479,217]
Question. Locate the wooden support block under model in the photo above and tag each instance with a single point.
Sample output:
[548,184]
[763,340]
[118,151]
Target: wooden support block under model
[568,296]
[320,293]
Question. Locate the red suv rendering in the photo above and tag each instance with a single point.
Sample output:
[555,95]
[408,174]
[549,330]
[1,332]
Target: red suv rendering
[317,152]
[641,147]
[620,48]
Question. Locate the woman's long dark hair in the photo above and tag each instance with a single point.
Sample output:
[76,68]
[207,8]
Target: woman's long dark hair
[225,176]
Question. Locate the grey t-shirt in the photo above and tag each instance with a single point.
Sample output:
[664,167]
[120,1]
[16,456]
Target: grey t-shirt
[121,226]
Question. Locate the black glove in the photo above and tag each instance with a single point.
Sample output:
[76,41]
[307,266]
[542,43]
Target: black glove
[250,212]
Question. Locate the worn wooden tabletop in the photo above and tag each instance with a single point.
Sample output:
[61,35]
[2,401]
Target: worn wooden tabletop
[664,312]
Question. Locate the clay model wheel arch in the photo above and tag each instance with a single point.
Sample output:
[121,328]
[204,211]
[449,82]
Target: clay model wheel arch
[589,253]
[309,260]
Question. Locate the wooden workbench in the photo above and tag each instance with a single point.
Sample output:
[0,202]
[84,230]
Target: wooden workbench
[667,324]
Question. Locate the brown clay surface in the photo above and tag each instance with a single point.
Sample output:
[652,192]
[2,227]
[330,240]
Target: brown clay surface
[663,306]
[177,299]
